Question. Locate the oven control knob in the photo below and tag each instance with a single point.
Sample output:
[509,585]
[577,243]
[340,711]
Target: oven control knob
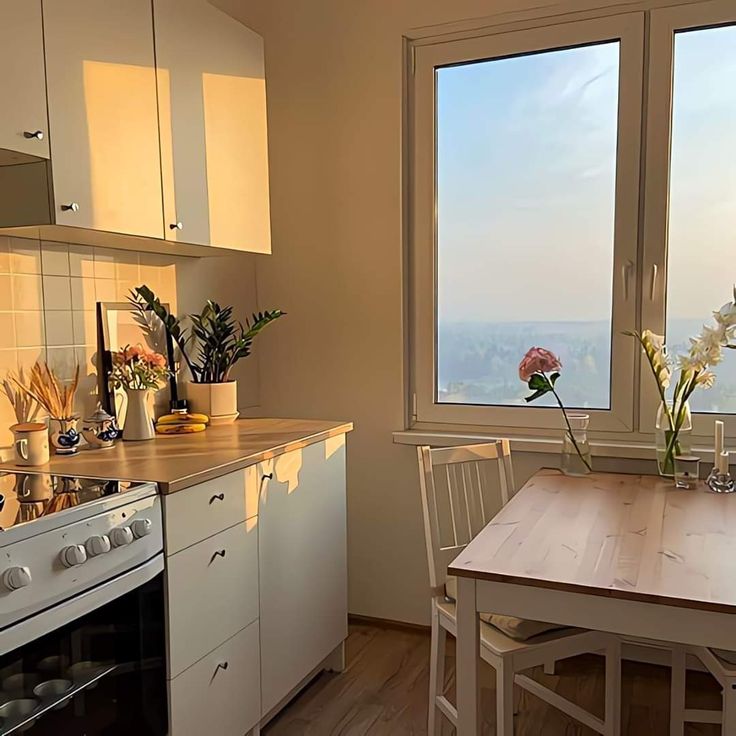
[15,578]
[73,556]
[141,528]
[121,536]
[97,546]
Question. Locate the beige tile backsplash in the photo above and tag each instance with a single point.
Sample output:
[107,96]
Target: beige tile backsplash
[48,295]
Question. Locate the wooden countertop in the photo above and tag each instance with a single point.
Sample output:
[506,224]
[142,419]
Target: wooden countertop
[626,536]
[179,461]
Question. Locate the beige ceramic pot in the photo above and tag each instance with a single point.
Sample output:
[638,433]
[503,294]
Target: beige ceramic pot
[219,401]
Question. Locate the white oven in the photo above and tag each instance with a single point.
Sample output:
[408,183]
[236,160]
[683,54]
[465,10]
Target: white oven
[81,607]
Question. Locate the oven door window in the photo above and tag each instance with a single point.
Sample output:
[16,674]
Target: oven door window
[102,674]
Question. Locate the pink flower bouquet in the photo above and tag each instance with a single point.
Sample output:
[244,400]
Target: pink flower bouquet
[134,367]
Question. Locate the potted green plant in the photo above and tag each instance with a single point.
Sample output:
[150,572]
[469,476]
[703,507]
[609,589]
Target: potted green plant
[210,349]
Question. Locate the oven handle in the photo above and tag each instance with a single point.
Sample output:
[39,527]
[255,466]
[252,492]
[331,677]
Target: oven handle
[41,623]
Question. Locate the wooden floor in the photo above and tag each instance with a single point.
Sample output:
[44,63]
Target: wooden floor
[384,692]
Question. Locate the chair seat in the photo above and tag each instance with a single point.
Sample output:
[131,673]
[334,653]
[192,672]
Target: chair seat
[500,643]
[515,628]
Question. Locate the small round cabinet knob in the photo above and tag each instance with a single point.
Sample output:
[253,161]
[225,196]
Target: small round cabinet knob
[121,536]
[71,207]
[176,226]
[15,578]
[73,556]
[37,134]
[99,545]
[141,528]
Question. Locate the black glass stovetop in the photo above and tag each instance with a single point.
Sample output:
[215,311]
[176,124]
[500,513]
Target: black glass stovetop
[25,497]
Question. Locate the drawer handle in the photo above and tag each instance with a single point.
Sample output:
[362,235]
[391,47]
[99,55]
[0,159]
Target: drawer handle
[217,497]
[221,666]
[218,553]
[268,476]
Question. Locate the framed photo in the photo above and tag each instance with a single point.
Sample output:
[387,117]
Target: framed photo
[119,325]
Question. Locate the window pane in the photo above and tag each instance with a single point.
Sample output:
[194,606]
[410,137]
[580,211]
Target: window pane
[702,221]
[526,158]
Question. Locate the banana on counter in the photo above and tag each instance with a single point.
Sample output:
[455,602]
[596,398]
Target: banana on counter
[182,422]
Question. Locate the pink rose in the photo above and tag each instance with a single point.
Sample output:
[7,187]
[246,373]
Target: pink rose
[156,359]
[538,360]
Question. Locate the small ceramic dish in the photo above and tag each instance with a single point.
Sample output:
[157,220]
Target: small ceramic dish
[15,709]
[80,671]
[52,690]
[20,685]
[55,665]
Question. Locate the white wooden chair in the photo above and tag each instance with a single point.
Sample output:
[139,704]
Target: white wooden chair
[457,485]
[725,674]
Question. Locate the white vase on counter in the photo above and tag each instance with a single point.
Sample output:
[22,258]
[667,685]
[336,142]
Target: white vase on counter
[219,401]
[138,416]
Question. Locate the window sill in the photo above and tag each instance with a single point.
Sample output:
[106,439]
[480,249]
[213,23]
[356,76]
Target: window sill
[542,445]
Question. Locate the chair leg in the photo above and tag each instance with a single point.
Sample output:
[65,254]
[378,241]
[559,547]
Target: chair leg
[613,688]
[729,709]
[436,673]
[504,699]
[677,692]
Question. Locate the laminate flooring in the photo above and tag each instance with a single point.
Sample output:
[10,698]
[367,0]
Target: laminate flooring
[384,691]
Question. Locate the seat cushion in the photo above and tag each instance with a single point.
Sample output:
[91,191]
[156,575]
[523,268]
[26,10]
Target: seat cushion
[519,629]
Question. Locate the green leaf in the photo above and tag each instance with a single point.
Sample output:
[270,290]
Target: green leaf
[536,395]
[539,382]
[553,378]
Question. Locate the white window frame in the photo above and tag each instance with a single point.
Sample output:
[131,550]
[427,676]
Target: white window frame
[629,30]
[664,23]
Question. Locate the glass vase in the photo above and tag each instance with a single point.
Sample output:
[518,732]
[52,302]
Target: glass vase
[668,440]
[576,454]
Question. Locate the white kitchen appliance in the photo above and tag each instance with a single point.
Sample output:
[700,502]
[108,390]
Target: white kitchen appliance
[81,607]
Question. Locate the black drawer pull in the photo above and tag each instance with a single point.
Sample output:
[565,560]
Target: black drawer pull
[217,497]
[268,476]
[218,553]
[221,666]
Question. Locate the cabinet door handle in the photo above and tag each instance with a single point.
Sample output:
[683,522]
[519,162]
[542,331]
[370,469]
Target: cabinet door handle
[176,226]
[217,497]
[72,207]
[221,666]
[218,553]
[37,134]
[267,476]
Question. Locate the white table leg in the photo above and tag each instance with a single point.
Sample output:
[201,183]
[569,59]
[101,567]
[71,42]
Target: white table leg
[468,659]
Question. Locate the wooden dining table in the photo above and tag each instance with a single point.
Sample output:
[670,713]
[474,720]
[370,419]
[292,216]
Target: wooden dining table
[626,554]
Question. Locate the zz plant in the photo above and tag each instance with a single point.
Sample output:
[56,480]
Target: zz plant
[216,340]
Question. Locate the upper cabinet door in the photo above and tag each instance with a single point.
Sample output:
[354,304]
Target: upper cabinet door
[212,107]
[23,122]
[103,115]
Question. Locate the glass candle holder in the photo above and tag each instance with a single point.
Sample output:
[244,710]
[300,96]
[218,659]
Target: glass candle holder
[687,471]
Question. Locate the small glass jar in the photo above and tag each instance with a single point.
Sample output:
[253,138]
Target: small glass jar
[576,455]
[687,471]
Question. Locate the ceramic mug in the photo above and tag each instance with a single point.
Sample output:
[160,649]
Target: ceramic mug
[31,443]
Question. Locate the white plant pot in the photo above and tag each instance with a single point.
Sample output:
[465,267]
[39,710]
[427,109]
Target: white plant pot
[219,401]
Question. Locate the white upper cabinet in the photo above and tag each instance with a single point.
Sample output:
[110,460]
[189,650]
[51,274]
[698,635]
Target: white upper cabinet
[23,122]
[212,117]
[103,115]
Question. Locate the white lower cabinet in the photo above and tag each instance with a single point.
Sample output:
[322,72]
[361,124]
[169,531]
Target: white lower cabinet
[256,581]
[220,694]
[212,590]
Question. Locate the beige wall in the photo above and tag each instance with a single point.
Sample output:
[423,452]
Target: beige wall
[334,75]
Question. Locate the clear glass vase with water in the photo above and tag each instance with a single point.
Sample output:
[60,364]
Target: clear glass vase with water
[672,433]
[576,455]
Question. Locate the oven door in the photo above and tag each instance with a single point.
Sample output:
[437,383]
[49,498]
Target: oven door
[92,666]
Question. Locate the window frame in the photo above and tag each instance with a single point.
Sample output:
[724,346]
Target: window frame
[664,24]
[629,29]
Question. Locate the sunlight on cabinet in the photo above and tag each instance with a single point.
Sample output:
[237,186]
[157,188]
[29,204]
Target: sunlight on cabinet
[119,132]
[237,161]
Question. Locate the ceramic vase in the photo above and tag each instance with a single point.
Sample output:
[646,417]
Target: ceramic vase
[139,424]
[219,401]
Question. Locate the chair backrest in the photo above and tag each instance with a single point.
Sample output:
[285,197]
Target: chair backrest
[460,491]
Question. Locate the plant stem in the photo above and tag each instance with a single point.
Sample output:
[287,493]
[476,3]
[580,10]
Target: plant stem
[569,429]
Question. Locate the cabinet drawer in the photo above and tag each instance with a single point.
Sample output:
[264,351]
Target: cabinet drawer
[212,593]
[219,695]
[199,512]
